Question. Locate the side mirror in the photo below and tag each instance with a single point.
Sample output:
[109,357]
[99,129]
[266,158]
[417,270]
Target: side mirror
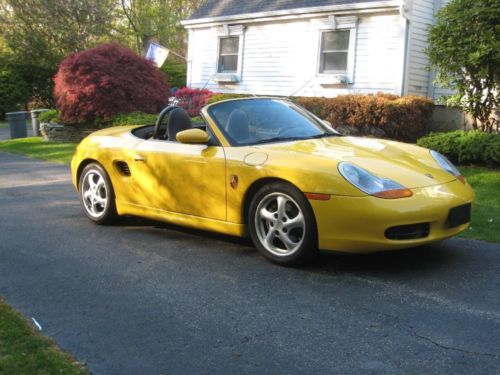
[193,136]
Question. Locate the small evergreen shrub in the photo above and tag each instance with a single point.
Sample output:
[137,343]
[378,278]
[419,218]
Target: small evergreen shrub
[96,84]
[134,118]
[52,115]
[176,72]
[473,147]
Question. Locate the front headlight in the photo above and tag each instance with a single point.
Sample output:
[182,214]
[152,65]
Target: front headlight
[447,165]
[371,184]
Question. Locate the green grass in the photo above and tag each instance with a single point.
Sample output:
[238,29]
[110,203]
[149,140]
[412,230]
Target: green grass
[35,147]
[485,224]
[25,351]
[3,124]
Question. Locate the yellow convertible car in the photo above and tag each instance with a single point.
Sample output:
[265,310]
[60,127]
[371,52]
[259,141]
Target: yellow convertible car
[269,169]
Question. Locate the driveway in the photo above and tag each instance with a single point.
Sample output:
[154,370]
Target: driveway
[147,298]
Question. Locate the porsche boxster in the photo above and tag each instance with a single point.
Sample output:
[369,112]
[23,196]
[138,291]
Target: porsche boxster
[269,169]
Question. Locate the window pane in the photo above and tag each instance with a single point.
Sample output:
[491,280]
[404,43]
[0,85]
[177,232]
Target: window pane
[229,45]
[334,62]
[228,63]
[335,40]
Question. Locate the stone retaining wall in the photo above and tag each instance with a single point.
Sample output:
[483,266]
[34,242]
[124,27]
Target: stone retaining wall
[63,133]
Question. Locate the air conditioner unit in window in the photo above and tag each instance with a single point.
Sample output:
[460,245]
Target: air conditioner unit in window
[333,79]
[226,78]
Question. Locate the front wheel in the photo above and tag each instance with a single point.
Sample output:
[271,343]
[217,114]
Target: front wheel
[282,224]
[96,195]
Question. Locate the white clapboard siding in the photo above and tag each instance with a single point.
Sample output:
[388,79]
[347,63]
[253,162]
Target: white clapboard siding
[421,18]
[281,58]
[420,81]
[437,91]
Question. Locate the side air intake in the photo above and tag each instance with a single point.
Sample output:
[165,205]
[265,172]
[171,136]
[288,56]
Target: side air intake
[123,168]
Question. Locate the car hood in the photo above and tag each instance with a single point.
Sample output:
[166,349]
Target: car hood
[407,164]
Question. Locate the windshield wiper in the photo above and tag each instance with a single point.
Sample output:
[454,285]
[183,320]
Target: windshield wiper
[278,139]
[323,135]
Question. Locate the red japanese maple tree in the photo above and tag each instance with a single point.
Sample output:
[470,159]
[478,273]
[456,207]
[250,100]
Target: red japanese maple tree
[107,80]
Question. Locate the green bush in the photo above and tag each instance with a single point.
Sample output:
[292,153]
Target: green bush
[176,73]
[381,115]
[462,147]
[14,92]
[52,115]
[134,118]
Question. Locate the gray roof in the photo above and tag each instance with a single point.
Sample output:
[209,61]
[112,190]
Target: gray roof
[224,8]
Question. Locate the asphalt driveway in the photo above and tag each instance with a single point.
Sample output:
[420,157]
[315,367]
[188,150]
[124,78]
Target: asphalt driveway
[148,298]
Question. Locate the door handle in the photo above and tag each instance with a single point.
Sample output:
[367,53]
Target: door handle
[139,158]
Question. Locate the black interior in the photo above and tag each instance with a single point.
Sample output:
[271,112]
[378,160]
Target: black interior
[146,131]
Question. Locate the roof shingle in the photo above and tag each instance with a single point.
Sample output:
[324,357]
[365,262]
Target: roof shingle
[221,8]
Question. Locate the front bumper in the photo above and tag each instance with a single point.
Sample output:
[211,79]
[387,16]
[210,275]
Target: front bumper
[358,224]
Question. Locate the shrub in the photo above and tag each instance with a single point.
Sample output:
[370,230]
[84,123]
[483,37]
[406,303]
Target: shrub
[134,118]
[462,147]
[220,96]
[107,80]
[52,115]
[13,91]
[192,100]
[176,72]
[381,115]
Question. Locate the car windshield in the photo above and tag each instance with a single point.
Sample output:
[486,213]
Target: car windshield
[257,121]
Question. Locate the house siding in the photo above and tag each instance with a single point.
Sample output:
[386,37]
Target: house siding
[420,81]
[281,58]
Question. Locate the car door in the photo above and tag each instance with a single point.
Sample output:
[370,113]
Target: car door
[182,178]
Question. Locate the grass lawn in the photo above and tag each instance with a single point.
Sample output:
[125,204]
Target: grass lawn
[34,147]
[3,124]
[485,223]
[25,351]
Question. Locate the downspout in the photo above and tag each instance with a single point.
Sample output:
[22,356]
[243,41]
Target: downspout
[403,12]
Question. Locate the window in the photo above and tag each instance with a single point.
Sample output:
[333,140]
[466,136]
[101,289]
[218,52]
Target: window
[334,51]
[228,54]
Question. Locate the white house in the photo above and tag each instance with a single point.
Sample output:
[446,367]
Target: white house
[311,47]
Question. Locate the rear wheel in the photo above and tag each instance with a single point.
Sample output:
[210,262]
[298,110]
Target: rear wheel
[96,195]
[282,224]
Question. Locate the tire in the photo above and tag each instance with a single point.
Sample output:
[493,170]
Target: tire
[96,195]
[282,225]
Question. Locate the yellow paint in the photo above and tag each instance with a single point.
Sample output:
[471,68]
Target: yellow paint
[189,184]
[193,136]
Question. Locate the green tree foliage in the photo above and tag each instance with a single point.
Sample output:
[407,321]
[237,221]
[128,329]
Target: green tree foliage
[159,21]
[464,48]
[176,72]
[13,91]
[37,34]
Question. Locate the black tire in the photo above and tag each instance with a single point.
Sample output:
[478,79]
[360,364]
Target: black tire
[283,235]
[96,195]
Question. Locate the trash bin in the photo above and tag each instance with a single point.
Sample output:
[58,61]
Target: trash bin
[17,124]
[35,123]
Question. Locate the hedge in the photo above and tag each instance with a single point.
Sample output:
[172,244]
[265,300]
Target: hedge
[473,147]
[381,115]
